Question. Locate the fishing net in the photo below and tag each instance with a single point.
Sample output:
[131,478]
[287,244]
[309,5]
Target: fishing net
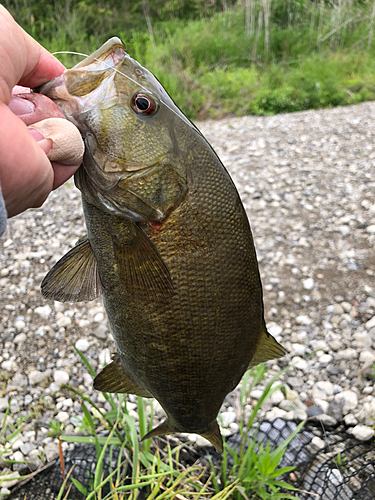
[328,465]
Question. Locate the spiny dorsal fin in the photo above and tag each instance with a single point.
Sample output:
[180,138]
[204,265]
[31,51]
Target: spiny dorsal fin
[141,268]
[75,277]
[268,348]
[113,379]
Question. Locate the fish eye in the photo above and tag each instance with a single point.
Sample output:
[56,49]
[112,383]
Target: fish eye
[144,104]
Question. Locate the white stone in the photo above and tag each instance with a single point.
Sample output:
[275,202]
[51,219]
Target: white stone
[322,403]
[105,356]
[275,330]
[82,345]
[276,413]
[61,377]
[35,377]
[350,420]
[308,284]
[299,349]
[324,359]
[227,417]
[19,324]
[362,340]
[43,311]
[20,338]
[9,365]
[15,475]
[17,444]
[98,318]
[3,404]
[323,389]
[64,321]
[303,320]
[370,323]
[326,419]
[88,380]
[349,398]
[62,416]
[299,363]
[317,444]
[277,397]
[18,456]
[362,432]
[347,354]
[367,357]
[371,229]
[256,394]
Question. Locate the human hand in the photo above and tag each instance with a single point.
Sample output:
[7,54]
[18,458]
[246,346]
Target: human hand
[39,148]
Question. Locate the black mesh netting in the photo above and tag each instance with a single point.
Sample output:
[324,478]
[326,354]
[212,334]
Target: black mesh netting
[330,465]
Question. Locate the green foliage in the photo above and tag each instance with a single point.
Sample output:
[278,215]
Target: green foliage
[234,57]
[255,464]
[55,428]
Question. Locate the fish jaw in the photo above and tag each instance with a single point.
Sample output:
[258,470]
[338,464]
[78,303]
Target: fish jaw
[134,166]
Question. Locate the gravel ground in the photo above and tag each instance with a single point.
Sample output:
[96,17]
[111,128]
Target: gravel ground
[307,181]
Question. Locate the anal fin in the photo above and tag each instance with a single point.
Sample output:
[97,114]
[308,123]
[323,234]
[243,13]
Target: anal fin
[113,379]
[268,348]
[75,277]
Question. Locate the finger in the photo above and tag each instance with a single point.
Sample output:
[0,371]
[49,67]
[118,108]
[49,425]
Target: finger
[26,174]
[62,173]
[68,147]
[32,108]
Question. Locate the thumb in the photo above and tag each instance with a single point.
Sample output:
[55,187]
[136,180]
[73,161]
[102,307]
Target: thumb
[67,144]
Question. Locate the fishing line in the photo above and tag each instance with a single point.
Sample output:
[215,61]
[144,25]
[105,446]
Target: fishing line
[183,117]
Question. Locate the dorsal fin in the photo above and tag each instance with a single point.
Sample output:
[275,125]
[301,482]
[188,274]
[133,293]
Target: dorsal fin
[75,277]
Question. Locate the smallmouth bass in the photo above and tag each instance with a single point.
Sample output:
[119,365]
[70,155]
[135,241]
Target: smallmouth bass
[168,246]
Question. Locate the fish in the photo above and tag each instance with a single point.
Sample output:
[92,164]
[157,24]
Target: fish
[168,247]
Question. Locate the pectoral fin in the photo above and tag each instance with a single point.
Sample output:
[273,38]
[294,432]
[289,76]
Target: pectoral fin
[141,267]
[75,277]
[268,348]
[113,379]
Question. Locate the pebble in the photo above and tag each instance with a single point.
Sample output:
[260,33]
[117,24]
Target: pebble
[35,377]
[362,432]
[61,377]
[367,357]
[62,416]
[20,338]
[82,345]
[64,321]
[308,284]
[105,357]
[317,444]
[370,323]
[349,400]
[43,311]
[322,390]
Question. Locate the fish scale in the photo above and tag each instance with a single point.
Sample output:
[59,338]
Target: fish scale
[168,245]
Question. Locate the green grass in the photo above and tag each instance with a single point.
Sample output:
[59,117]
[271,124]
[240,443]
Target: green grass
[255,472]
[216,62]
